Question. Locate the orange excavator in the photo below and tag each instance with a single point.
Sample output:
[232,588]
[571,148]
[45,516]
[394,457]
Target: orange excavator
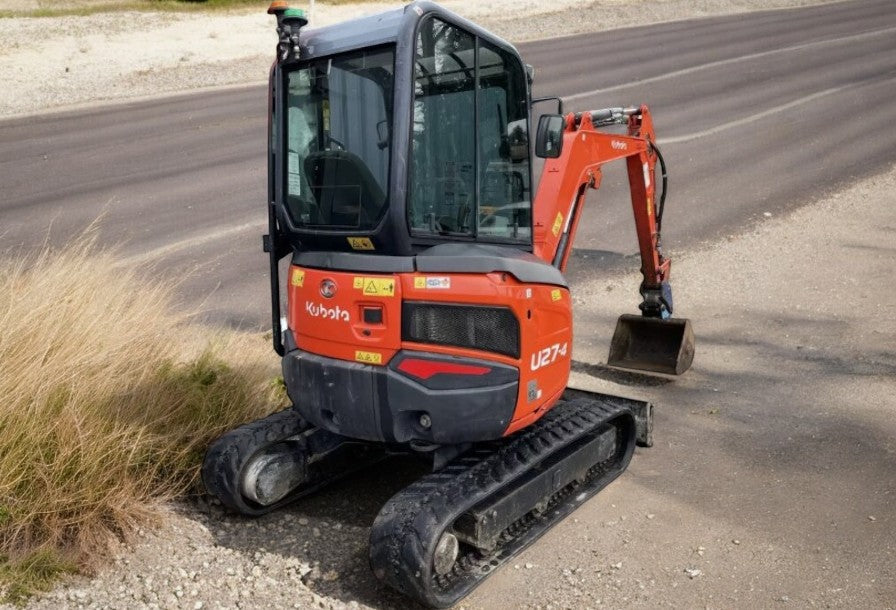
[426,308]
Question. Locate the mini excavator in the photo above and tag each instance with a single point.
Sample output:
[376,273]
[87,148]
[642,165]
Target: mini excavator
[426,307]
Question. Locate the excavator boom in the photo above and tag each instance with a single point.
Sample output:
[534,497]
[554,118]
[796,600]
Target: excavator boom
[652,342]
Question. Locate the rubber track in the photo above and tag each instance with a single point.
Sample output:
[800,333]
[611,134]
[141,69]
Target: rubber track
[408,527]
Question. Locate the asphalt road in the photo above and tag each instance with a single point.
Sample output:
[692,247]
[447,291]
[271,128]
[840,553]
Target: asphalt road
[755,113]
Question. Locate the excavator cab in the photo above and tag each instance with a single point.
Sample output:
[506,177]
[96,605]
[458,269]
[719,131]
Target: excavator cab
[394,134]
[401,133]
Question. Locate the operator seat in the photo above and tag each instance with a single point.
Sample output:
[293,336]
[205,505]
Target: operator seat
[345,190]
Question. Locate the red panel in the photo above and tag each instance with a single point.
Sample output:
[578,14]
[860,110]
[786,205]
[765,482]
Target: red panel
[424,369]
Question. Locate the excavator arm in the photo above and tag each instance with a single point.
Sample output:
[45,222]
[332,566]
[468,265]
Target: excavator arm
[653,341]
[566,178]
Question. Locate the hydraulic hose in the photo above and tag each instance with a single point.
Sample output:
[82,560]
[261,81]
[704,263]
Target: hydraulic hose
[662,203]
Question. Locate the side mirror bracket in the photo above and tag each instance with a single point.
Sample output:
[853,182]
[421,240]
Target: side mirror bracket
[550,98]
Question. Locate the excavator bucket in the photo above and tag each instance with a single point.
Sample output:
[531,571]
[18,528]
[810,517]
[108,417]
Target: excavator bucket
[651,344]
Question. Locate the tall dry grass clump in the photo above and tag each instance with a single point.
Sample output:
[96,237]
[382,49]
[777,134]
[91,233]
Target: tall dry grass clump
[104,407]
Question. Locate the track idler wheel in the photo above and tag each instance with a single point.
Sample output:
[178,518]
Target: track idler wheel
[254,468]
[266,464]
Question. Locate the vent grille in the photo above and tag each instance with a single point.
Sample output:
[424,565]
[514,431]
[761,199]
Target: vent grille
[491,329]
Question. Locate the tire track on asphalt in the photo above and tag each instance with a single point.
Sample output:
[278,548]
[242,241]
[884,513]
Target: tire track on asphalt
[191,242]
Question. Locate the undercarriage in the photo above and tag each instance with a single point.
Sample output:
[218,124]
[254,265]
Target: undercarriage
[437,539]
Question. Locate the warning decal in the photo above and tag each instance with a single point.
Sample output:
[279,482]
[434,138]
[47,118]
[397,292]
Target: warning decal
[375,286]
[298,278]
[360,243]
[556,295]
[558,223]
[368,357]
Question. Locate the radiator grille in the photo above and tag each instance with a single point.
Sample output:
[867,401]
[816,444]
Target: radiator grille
[492,329]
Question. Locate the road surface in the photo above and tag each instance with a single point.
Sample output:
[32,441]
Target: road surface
[756,113]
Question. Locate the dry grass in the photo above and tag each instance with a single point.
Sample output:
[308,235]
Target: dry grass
[103,413]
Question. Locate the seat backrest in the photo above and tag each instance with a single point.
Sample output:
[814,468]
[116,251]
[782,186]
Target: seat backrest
[345,190]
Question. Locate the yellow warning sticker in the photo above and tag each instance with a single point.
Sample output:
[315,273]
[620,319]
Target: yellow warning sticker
[649,205]
[375,286]
[298,278]
[419,282]
[558,224]
[360,243]
[368,357]
[556,295]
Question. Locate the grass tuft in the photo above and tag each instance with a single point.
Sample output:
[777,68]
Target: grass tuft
[110,397]
[34,573]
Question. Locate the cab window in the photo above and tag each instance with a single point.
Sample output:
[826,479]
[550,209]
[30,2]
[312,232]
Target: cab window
[337,126]
[470,150]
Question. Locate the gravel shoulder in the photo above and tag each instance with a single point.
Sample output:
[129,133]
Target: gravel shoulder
[114,56]
[770,481]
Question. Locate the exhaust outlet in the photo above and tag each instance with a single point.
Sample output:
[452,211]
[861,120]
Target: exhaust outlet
[652,344]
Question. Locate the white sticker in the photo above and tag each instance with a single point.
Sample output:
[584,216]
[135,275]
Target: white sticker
[294,179]
[528,293]
[646,176]
[438,282]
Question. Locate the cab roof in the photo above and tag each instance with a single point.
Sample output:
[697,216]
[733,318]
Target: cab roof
[382,28]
